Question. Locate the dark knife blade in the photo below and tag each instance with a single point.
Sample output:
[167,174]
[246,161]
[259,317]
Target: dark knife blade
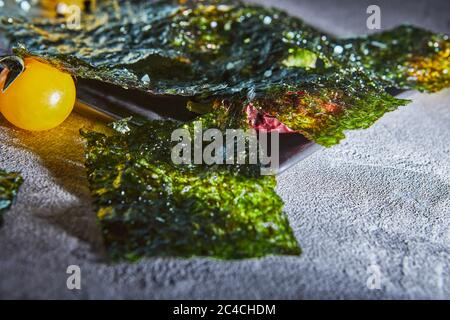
[108,103]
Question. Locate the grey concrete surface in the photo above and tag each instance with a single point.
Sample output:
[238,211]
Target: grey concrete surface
[378,201]
[348,17]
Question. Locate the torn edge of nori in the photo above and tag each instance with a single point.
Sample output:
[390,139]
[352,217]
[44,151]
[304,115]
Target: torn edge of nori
[9,187]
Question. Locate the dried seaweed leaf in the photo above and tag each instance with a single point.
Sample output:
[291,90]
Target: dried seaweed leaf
[216,49]
[148,206]
[9,186]
[405,57]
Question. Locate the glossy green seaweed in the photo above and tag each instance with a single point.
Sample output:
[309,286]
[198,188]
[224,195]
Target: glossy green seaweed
[9,186]
[405,58]
[149,206]
[210,50]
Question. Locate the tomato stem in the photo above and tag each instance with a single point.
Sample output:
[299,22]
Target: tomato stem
[15,65]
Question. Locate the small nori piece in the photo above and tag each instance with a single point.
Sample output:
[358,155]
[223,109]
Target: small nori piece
[148,206]
[9,186]
[405,57]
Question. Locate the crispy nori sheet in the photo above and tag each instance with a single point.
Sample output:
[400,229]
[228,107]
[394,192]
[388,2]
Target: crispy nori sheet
[149,206]
[214,49]
[163,47]
[9,186]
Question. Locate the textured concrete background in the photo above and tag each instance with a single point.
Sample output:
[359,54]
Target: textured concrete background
[379,198]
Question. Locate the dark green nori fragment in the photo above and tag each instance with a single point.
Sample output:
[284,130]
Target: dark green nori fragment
[148,206]
[9,186]
[405,57]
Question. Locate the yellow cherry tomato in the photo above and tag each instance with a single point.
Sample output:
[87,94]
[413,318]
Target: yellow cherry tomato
[40,98]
